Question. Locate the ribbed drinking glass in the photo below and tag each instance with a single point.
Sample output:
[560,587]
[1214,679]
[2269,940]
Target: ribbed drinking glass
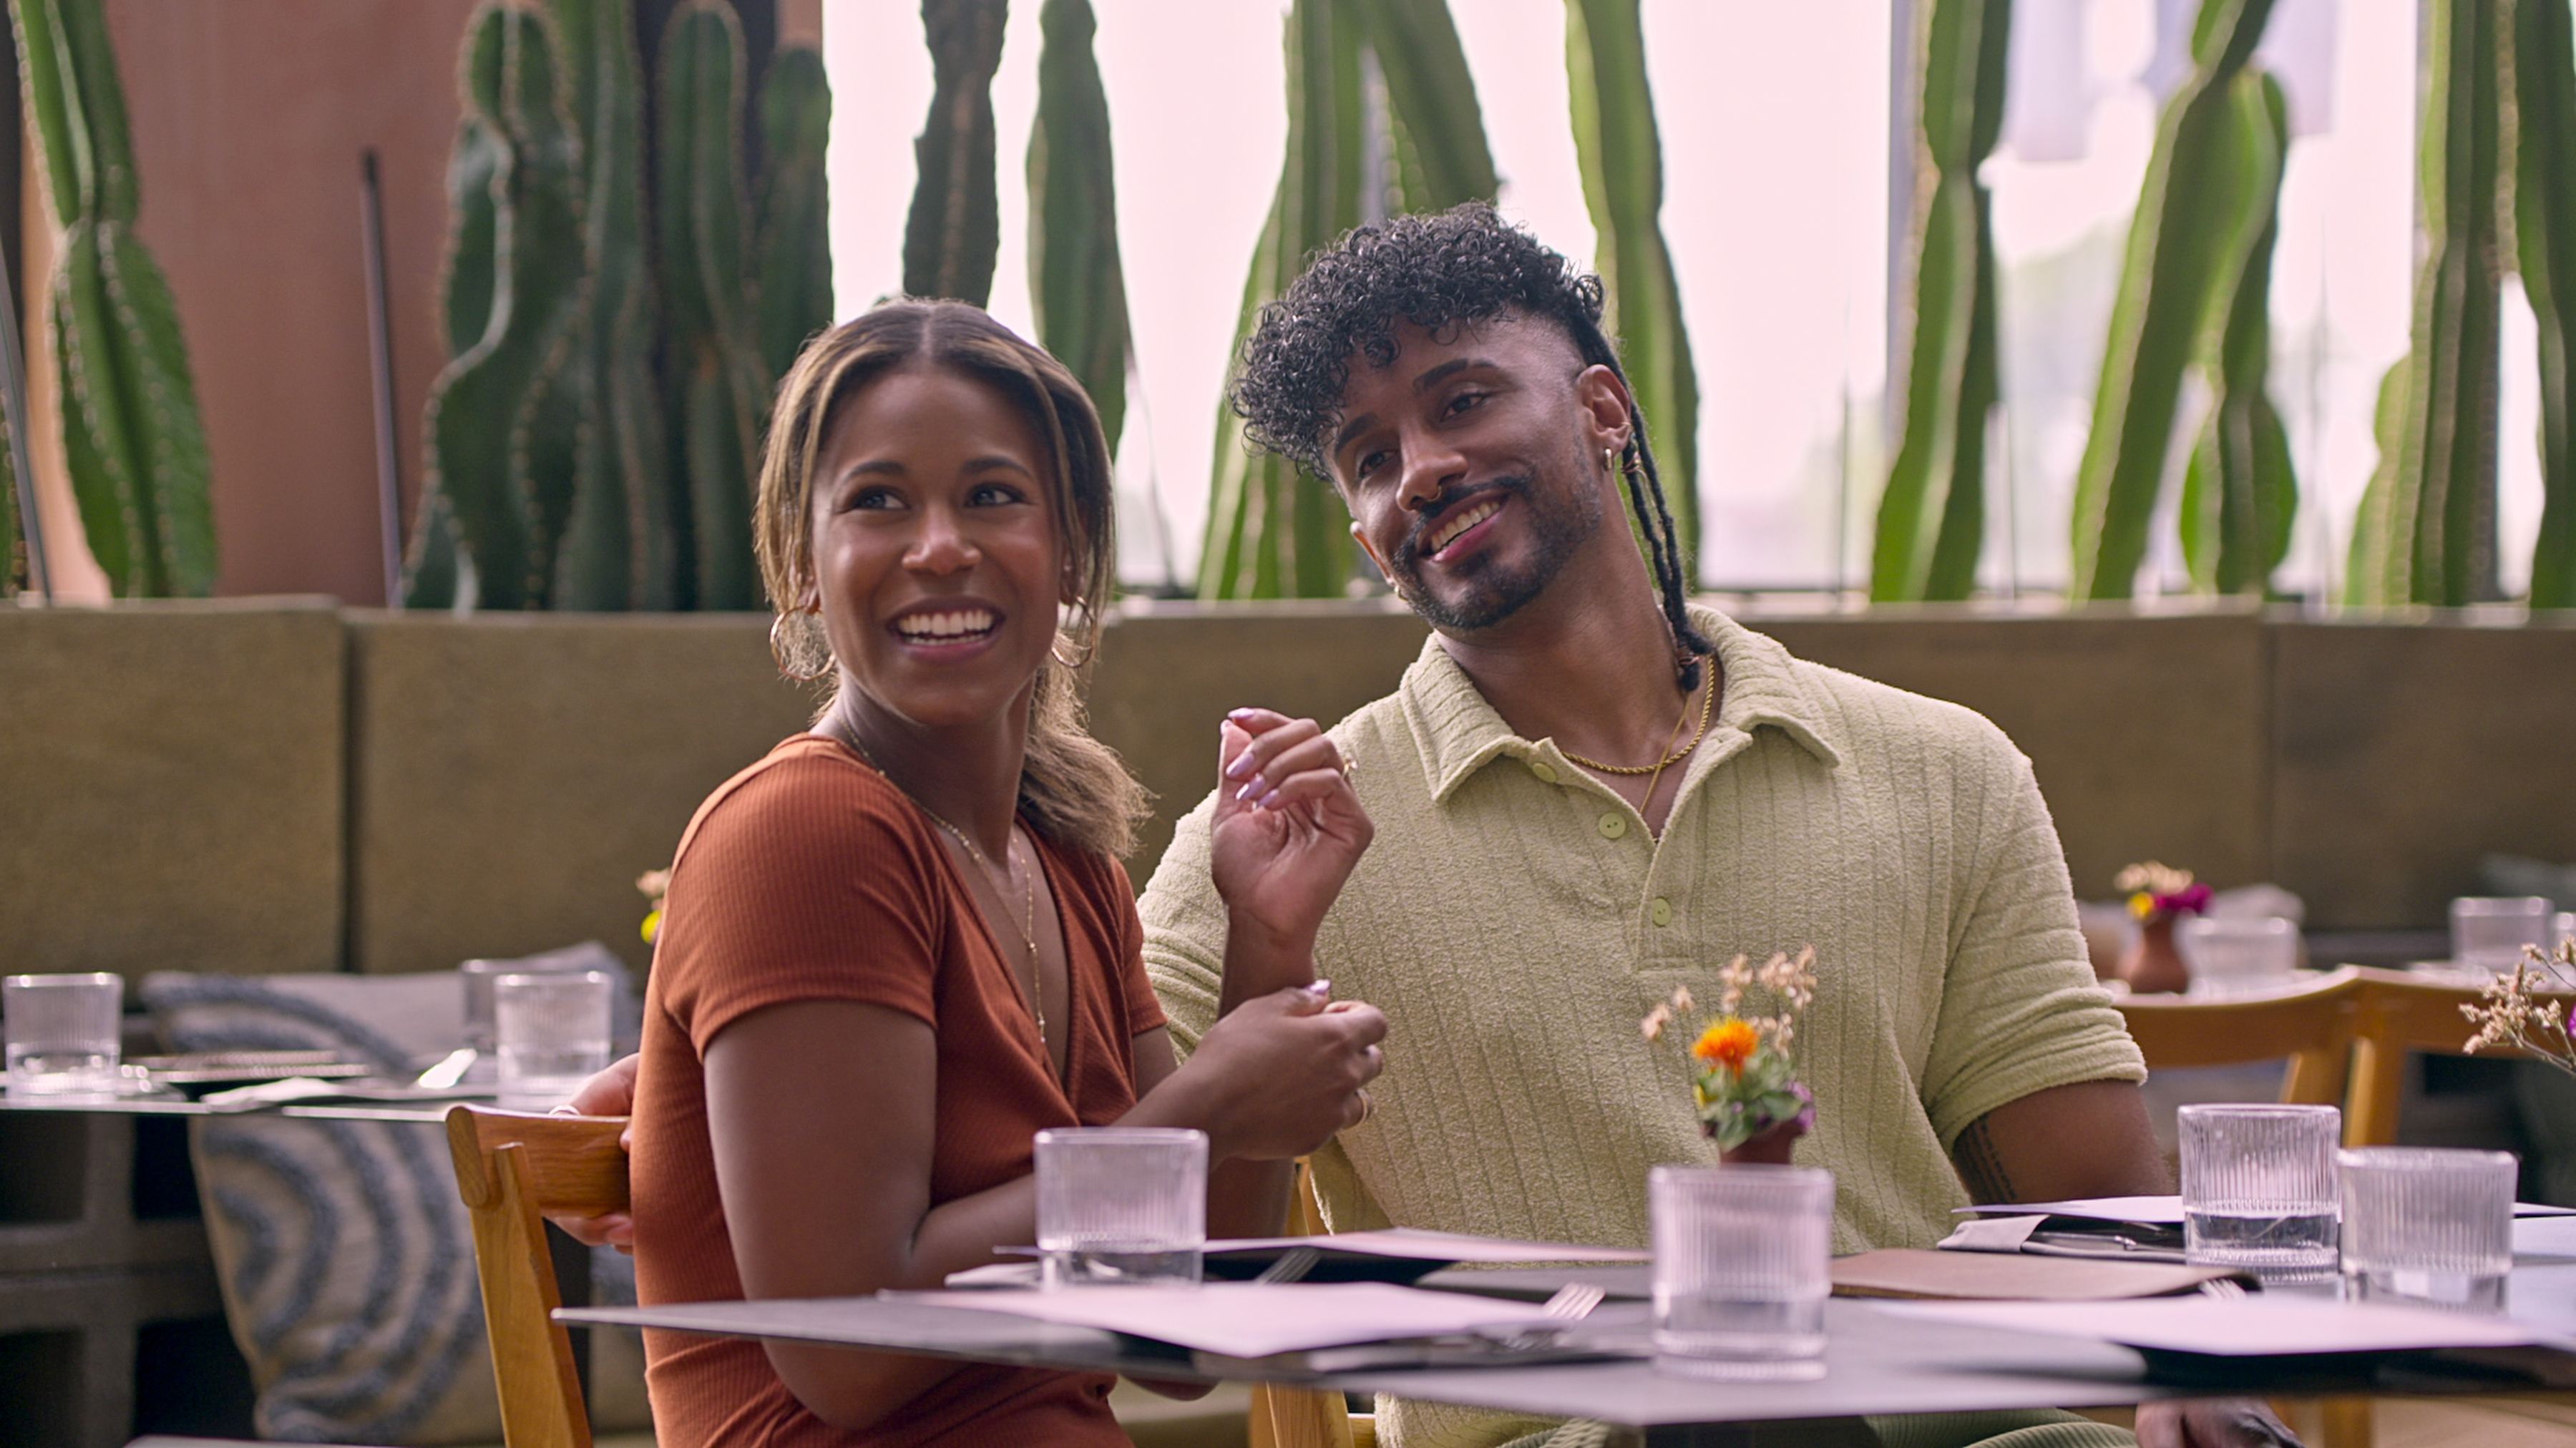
[1743,1263]
[553,1028]
[2489,932]
[2428,1224]
[2258,1187]
[62,1032]
[1121,1205]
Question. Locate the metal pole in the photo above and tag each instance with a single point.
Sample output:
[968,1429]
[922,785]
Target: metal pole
[13,391]
[381,348]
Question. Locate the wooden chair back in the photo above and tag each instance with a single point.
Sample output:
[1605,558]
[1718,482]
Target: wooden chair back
[513,1169]
[1289,1417]
[2313,1026]
[2400,1013]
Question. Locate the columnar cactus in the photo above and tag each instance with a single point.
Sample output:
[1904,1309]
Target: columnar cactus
[793,242]
[1076,285]
[719,397]
[487,407]
[132,439]
[2544,73]
[954,229]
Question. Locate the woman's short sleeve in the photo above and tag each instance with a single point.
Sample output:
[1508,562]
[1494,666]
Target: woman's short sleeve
[805,879]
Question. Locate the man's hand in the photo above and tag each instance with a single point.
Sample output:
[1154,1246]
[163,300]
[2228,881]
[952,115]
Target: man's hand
[2212,1423]
[610,1093]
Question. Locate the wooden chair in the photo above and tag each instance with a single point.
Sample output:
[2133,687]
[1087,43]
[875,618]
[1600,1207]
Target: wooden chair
[2399,1013]
[1290,1417]
[513,1169]
[2314,1026]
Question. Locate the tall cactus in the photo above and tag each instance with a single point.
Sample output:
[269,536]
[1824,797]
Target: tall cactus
[2177,262]
[2239,494]
[132,439]
[954,230]
[1622,160]
[486,405]
[1931,518]
[1272,530]
[2544,70]
[619,547]
[792,240]
[720,399]
[1076,285]
[2425,532]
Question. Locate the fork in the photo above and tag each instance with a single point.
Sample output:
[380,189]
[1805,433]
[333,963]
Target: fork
[2224,1288]
[1291,1265]
[1565,1307]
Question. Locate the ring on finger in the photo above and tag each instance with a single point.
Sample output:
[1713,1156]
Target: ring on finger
[1366,1106]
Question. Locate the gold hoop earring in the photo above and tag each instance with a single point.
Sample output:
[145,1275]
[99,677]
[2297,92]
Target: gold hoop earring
[1082,652]
[789,651]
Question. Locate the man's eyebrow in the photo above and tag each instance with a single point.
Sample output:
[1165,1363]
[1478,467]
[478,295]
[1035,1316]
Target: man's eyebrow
[1428,380]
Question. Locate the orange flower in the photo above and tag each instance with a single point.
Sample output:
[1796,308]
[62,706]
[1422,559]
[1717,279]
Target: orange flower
[1730,1042]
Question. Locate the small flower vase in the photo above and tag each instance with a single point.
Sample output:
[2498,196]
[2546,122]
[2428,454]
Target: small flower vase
[1768,1148]
[2154,966]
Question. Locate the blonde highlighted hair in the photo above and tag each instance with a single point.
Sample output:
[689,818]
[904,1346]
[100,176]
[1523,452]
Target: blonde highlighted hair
[1072,787]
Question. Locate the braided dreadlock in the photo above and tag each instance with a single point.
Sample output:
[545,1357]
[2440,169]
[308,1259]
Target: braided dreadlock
[1462,266]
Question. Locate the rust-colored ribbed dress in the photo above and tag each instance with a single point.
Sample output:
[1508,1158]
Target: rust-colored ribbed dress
[809,877]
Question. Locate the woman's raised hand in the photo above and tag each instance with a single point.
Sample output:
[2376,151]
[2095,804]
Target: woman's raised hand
[1288,826]
[1279,1074]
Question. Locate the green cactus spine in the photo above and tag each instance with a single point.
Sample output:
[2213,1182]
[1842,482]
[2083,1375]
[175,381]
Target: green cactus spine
[793,243]
[2425,532]
[954,230]
[487,406]
[2544,71]
[720,398]
[1076,285]
[2176,274]
[1931,518]
[133,442]
[1622,159]
[2239,495]
[619,549]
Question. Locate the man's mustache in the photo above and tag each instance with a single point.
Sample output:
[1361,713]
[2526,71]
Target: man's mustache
[1409,552]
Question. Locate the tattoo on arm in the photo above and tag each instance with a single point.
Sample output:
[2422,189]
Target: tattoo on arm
[1981,1167]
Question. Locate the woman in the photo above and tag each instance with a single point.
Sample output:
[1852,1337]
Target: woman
[901,944]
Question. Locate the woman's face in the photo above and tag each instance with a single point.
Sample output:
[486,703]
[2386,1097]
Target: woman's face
[937,559]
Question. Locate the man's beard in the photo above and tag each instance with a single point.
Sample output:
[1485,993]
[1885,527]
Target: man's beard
[1489,591]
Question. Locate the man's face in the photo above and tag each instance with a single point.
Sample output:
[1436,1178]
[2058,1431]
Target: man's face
[1470,465]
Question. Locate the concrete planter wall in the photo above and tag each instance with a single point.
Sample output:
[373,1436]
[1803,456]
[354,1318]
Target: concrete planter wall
[274,785]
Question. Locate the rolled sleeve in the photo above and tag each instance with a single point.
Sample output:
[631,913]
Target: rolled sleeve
[2021,1010]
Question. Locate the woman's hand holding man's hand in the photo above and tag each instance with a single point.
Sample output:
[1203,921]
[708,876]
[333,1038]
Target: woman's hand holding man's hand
[1279,1074]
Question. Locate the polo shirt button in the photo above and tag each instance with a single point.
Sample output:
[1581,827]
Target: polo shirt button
[1545,771]
[1612,827]
[1661,912]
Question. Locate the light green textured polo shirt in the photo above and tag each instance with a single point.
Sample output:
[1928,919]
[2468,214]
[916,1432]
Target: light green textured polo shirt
[1515,920]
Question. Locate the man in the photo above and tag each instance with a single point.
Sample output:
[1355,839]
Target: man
[1587,793]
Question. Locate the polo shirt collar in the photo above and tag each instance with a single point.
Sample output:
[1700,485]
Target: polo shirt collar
[1461,733]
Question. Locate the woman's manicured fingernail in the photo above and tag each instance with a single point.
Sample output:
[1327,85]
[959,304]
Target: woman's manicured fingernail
[1270,800]
[1251,791]
[1241,766]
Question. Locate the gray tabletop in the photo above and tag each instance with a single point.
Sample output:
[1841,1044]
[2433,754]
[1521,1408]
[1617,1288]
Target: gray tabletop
[1875,1362]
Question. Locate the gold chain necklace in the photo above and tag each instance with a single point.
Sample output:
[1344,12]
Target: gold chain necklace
[1707,704]
[1028,921]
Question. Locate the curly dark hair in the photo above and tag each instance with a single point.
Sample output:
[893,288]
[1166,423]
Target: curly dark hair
[1462,266]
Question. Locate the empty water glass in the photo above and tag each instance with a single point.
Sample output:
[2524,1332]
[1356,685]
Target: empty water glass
[553,1032]
[2258,1187]
[1743,1263]
[2428,1225]
[62,1033]
[2488,934]
[2232,957]
[1124,1205]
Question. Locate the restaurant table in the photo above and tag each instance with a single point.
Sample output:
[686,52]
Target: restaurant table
[1875,1362]
[431,1111]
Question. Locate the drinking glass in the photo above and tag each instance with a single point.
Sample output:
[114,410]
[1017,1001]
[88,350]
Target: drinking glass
[1743,1258]
[1123,1205]
[553,1033]
[2231,957]
[2258,1187]
[2428,1224]
[2488,933]
[477,977]
[62,1033]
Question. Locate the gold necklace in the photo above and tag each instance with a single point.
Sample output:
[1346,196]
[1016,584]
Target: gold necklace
[1028,921]
[1707,704]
